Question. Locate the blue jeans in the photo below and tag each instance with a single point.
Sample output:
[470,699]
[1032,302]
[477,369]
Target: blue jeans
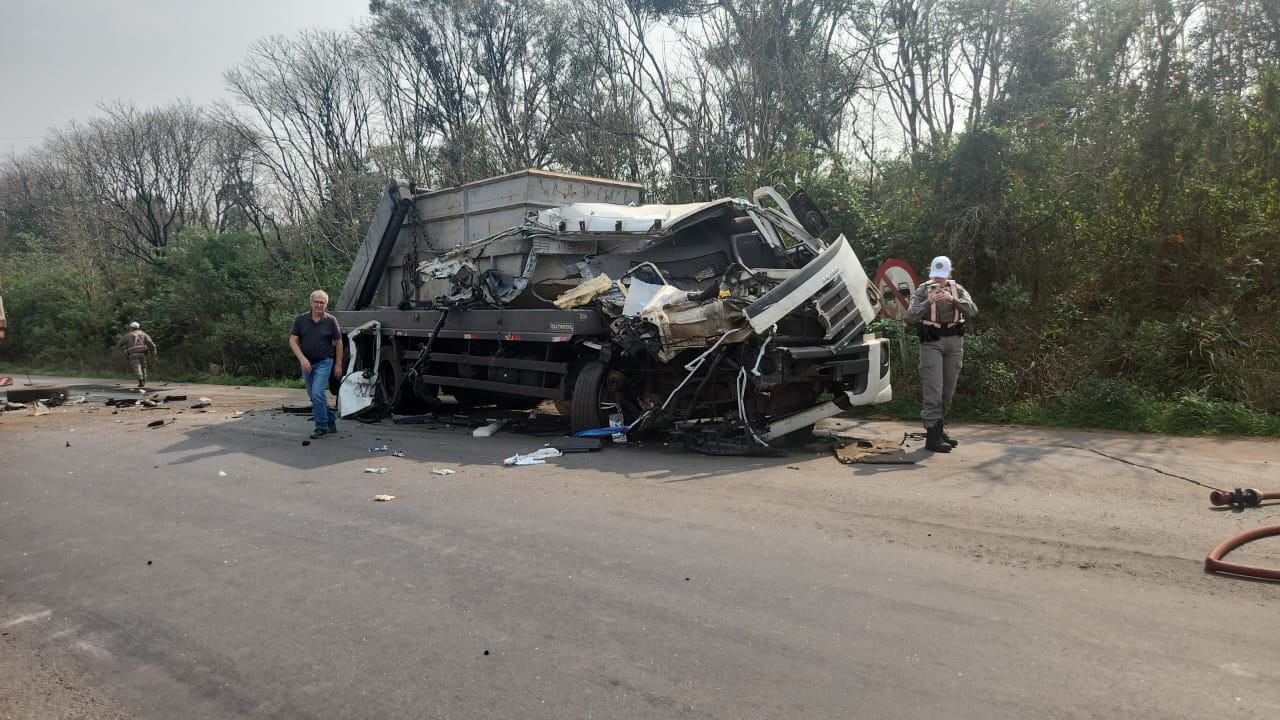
[317,385]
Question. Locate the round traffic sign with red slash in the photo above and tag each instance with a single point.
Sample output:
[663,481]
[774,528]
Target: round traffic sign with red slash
[895,282]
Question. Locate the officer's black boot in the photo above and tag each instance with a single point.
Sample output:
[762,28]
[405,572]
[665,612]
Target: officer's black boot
[942,431]
[933,439]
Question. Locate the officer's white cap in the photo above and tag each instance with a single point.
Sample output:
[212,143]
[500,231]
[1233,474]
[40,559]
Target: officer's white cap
[940,267]
[134,326]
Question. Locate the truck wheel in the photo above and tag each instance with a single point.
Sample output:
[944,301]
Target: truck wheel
[389,380]
[590,391]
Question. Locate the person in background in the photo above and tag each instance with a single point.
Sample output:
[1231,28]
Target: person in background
[939,309]
[316,340]
[135,344]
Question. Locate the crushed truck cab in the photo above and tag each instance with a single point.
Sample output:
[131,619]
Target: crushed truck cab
[727,324]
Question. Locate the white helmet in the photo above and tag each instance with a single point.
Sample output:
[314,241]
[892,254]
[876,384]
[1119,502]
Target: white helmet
[134,326]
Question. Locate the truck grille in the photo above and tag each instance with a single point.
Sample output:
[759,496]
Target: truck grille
[839,313]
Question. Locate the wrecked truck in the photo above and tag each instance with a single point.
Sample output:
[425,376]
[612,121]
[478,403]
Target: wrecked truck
[729,325]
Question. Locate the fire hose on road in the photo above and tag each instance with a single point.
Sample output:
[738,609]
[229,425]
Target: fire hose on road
[1241,498]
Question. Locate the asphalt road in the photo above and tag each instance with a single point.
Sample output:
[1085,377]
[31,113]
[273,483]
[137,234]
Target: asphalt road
[215,567]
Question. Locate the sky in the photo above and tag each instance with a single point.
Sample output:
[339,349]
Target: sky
[60,58]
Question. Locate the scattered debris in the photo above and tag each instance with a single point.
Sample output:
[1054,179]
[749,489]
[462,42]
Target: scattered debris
[39,408]
[380,448]
[872,452]
[222,473]
[155,423]
[77,400]
[174,398]
[204,399]
[534,458]
[444,471]
[376,471]
[197,406]
[239,413]
[306,443]
[384,498]
[488,430]
[15,406]
[397,453]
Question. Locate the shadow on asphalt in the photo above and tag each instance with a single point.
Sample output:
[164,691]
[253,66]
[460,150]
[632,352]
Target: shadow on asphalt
[278,437]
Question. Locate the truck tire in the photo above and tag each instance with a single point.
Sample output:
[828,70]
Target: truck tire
[589,390]
[389,380]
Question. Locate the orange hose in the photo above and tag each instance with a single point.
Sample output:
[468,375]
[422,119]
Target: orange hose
[1214,563]
[1241,498]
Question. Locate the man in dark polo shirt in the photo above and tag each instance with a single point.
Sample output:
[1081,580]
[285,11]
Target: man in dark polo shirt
[316,340]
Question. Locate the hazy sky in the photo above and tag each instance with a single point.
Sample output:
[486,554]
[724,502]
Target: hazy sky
[60,58]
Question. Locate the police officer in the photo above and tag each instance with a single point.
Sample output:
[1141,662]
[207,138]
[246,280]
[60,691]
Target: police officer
[939,309]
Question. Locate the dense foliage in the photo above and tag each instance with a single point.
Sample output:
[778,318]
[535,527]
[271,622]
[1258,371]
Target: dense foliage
[1106,176]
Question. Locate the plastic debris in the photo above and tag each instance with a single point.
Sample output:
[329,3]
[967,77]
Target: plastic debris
[380,448]
[204,399]
[397,453]
[608,432]
[384,498]
[376,471]
[39,408]
[444,471]
[488,430]
[222,473]
[534,458]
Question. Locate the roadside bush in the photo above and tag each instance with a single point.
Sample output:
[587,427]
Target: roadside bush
[1098,402]
[1197,415]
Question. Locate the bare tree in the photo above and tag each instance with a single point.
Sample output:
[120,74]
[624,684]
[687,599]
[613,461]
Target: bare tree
[139,170]
[309,120]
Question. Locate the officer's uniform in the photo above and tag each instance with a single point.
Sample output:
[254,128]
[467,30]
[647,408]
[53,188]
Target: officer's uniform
[940,325]
[135,344]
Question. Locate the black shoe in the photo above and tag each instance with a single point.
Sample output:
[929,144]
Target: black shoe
[942,430]
[933,439]
[332,429]
[319,433]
